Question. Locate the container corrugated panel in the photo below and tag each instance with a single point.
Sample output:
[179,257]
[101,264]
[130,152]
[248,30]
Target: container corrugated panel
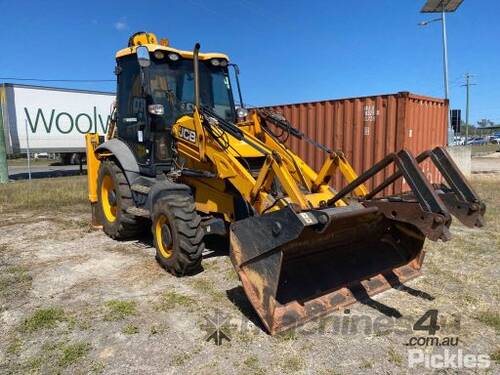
[366,129]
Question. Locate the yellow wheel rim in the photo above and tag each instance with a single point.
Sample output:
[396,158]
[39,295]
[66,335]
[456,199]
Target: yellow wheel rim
[108,198]
[163,235]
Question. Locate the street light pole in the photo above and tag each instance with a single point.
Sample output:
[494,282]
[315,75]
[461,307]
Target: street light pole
[451,134]
[445,63]
[442,6]
[445,53]
[467,110]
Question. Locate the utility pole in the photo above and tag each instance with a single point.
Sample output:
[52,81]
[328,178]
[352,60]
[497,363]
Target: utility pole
[28,153]
[467,85]
[4,172]
[445,54]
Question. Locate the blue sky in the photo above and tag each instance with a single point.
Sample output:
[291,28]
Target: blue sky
[288,51]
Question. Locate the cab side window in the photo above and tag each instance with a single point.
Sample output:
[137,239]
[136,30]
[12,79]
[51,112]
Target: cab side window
[132,109]
[130,101]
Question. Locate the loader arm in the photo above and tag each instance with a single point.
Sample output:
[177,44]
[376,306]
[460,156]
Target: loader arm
[221,148]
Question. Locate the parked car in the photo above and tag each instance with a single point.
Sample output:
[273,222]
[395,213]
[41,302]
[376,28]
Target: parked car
[458,140]
[41,155]
[72,158]
[495,139]
[477,141]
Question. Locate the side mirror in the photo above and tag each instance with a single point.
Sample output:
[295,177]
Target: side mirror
[143,57]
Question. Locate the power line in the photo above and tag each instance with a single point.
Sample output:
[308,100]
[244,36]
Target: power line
[55,80]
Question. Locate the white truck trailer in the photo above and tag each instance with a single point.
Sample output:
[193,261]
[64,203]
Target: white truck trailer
[50,120]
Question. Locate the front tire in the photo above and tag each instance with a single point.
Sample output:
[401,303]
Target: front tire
[115,197]
[178,236]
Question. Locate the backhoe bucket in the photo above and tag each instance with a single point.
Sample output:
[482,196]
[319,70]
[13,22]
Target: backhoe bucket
[294,268]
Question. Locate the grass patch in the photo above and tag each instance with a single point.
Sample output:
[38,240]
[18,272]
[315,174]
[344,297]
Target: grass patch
[180,359]
[55,356]
[72,353]
[394,357]
[130,329]
[119,310]
[378,333]
[35,364]
[169,300]
[44,194]
[366,364]
[43,318]
[97,368]
[231,275]
[252,364]
[292,364]
[14,346]
[207,288]
[14,280]
[495,356]
[157,329]
[483,149]
[490,318]
[328,371]
[23,162]
[287,335]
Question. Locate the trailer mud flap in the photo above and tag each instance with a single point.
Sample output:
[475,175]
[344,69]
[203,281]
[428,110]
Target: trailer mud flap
[295,267]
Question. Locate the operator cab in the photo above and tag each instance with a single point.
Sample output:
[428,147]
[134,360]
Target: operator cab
[156,88]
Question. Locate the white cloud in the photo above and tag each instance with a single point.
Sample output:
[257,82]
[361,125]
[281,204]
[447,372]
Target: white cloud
[121,25]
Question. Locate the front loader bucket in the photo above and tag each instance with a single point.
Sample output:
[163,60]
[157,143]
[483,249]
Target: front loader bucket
[298,266]
[295,266]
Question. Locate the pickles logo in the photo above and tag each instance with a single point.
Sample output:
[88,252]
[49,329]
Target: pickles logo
[65,123]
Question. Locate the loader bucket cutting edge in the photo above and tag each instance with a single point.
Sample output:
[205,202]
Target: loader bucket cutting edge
[292,271]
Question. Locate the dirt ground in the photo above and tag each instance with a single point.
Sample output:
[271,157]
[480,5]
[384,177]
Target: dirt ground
[74,301]
[489,163]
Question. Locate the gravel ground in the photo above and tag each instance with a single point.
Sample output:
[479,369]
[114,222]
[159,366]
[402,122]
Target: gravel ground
[486,164]
[74,301]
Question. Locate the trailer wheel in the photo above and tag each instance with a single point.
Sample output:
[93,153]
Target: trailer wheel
[115,197]
[177,233]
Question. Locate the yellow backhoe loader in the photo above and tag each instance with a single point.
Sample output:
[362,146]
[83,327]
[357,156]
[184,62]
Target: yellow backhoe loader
[181,159]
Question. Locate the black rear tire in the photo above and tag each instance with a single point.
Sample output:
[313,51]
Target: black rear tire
[117,223]
[178,236]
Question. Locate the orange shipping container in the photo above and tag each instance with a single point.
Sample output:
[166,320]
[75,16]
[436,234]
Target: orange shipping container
[368,128]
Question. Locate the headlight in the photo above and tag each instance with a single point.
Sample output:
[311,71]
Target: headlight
[159,55]
[219,62]
[173,56]
[212,121]
[241,112]
[156,109]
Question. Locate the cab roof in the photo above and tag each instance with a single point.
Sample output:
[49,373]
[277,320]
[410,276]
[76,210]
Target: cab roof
[157,47]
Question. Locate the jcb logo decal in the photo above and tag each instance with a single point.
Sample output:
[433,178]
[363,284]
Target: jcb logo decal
[188,134]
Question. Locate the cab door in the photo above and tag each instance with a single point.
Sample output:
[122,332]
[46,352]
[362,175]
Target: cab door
[132,114]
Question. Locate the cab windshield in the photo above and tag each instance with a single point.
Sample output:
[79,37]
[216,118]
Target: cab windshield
[172,84]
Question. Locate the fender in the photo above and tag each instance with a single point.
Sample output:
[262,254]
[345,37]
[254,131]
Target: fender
[162,189]
[124,155]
